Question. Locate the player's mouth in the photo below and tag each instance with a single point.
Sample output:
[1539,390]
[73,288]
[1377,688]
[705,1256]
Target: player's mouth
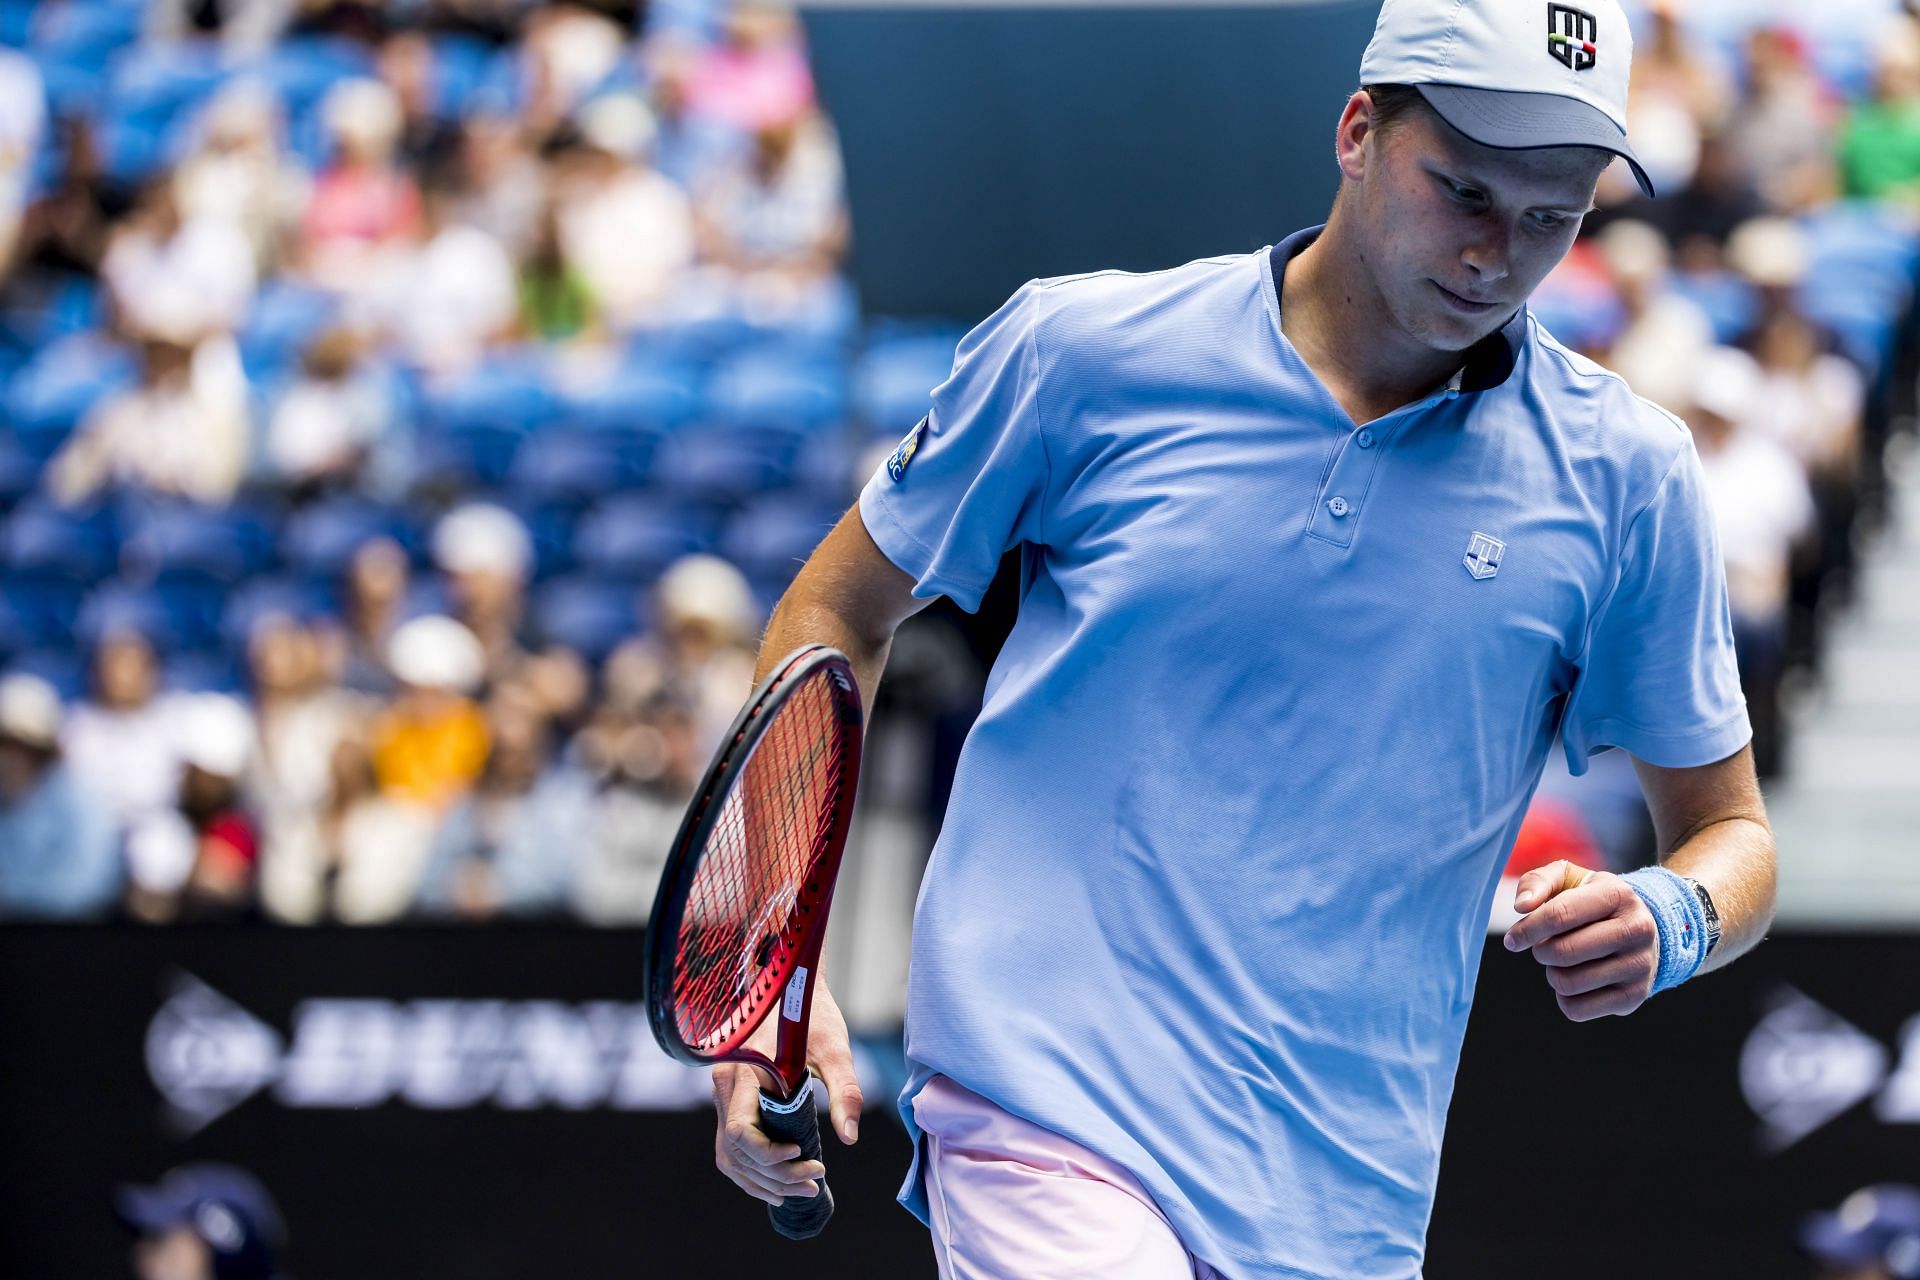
[1466,306]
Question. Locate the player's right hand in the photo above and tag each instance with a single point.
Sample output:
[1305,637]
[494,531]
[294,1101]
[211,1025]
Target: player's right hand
[769,1170]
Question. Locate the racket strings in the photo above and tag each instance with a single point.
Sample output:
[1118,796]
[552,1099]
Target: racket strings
[751,890]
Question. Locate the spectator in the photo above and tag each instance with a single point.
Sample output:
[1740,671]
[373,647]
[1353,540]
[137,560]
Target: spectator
[1880,143]
[373,847]
[774,230]
[429,746]
[374,595]
[702,653]
[23,118]
[509,848]
[1783,132]
[328,423]
[167,272]
[565,52]
[121,746]
[303,717]
[646,758]
[59,858]
[556,302]
[627,229]
[365,206]
[487,557]
[1762,509]
[181,431]
[427,143]
[65,231]
[203,1222]
[503,186]
[756,75]
[1874,1235]
[1665,333]
[194,858]
[237,170]
[442,302]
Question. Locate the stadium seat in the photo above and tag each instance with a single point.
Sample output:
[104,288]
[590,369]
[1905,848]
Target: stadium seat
[37,614]
[770,539]
[184,540]
[318,542]
[262,598]
[303,68]
[63,382]
[633,538]
[894,380]
[468,457]
[176,618]
[721,466]
[580,466]
[650,393]
[776,387]
[63,668]
[45,542]
[204,671]
[284,319]
[588,615]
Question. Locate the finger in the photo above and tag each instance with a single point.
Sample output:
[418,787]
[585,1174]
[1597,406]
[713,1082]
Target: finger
[753,1186]
[1565,911]
[1542,883]
[795,1178]
[748,1142]
[1607,1002]
[844,1099]
[1609,937]
[1630,973]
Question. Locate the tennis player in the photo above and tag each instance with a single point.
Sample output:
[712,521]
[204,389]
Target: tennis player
[1323,547]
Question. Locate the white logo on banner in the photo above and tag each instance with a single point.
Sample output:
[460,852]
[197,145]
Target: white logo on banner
[1804,1064]
[207,1055]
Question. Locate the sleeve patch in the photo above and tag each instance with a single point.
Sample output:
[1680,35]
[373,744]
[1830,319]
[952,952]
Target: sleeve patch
[898,460]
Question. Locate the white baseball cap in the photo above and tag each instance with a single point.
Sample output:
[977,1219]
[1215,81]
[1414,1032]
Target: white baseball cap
[1514,74]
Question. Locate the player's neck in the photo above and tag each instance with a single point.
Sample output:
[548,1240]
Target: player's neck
[1326,299]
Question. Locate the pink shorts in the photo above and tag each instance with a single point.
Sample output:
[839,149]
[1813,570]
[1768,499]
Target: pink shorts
[1013,1201]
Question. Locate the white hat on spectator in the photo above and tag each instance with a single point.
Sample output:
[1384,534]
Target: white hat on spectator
[436,653]
[1635,250]
[30,711]
[703,588]
[1728,383]
[362,110]
[619,124]
[1771,252]
[482,538]
[215,735]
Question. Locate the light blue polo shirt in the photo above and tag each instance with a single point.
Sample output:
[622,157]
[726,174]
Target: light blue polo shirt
[1214,877]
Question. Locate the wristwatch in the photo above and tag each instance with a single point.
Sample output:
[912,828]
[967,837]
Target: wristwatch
[1706,909]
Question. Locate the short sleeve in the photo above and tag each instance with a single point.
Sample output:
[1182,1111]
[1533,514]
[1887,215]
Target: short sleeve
[1658,676]
[969,482]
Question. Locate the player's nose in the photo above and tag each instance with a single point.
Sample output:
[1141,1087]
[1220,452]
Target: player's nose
[1487,255]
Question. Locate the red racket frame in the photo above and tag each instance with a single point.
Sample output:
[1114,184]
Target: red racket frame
[803,939]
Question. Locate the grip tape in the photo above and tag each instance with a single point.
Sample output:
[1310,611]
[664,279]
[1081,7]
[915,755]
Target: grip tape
[797,1217]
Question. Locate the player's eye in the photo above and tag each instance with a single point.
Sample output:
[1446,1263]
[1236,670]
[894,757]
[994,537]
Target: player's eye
[1464,194]
[1546,221]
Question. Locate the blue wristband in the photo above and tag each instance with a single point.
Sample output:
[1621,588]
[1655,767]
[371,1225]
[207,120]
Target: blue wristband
[1681,920]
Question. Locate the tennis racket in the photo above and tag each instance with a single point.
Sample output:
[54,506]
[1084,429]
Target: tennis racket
[736,928]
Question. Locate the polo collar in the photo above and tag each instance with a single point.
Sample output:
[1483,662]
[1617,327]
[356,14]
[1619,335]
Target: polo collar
[1488,362]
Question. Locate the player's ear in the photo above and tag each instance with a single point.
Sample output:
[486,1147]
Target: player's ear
[1352,136]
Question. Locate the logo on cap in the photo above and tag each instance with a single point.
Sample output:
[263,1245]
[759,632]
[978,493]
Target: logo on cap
[1571,34]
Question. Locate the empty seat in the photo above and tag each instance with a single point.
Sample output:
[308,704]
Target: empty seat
[588,615]
[634,538]
[776,387]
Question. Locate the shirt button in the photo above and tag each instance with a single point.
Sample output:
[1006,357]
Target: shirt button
[1365,439]
[1338,506]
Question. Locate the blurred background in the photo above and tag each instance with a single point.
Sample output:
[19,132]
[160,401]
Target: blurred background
[411,412]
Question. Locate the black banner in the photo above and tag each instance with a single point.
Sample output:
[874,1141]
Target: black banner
[489,1103]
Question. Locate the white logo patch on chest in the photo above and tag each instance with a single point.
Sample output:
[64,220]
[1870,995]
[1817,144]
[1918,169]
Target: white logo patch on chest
[1483,555]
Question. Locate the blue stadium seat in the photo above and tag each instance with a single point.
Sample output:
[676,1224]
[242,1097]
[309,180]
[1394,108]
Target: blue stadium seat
[319,541]
[83,31]
[64,668]
[722,466]
[204,671]
[161,83]
[647,393]
[894,380]
[588,615]
[1727,300]
[37,614]
[175,618]
[468,457]
[187,541]
[261,598]
[302,68]
[633,538]
[777,387]
[63,382]
[580,465]
[770,539]
[550,526]
[510,392]
[284,319]
[44,542]
[460,65]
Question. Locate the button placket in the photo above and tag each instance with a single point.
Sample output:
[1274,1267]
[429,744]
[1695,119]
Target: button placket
[1337,505]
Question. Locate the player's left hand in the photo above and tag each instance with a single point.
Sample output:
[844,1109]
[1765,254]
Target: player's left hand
[1596,938]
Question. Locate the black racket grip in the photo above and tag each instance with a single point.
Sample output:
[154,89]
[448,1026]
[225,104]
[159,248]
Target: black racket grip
[797,1217]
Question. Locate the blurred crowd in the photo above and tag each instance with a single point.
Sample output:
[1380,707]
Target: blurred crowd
[1765,299]
[413,409]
